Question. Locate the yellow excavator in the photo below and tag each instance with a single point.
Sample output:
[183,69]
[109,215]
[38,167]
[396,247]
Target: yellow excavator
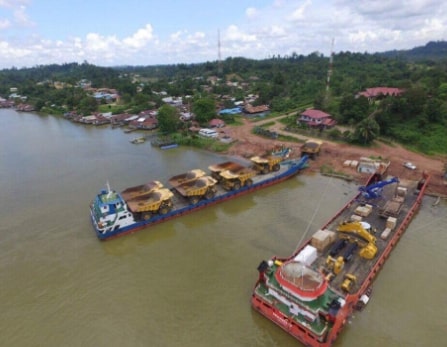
[335,264]
[355,232]
[348,282]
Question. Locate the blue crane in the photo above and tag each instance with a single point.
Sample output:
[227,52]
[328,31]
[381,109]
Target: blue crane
[374,190]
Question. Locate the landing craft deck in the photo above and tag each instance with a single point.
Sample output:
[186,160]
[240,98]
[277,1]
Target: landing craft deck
[312,293]
[374,224]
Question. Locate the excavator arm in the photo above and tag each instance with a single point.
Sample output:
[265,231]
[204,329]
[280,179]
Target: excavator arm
[355,228]
[374,190]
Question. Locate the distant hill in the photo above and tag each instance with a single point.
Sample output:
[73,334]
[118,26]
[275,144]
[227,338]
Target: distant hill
[433,50]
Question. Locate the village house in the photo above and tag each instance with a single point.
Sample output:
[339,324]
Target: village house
[316,118]
[121,119]
[173,101]
[146,120]
[249,109]
[216,123]
[6,103]
[379,92]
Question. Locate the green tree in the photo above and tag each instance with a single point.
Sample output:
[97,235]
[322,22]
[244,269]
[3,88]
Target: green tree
[353,110]
[168,119]
[442,90]
[367,130]
[87,105]
[204,109]
[141,100]
[435,110]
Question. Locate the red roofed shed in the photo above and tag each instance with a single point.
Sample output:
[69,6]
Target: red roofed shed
[372,93]
[316,118]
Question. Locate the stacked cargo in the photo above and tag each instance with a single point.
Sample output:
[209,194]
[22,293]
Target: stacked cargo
[322,239]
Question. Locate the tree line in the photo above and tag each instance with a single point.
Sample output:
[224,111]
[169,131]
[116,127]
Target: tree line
[417,118]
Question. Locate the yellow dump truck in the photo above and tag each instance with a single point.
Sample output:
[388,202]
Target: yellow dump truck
[158,201]
[311,148]
[141,190]
[186,177]
[194,190]
[216,169]
[267,164]
[237,178]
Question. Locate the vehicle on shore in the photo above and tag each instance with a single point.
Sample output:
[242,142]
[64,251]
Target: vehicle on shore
[410,165]
[312,293]
[115,214]
[311,148]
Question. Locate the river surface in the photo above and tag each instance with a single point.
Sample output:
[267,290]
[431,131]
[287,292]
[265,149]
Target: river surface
[186,282]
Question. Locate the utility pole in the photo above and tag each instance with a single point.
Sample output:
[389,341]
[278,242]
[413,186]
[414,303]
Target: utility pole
[219,57]
[329,74]
[329,71]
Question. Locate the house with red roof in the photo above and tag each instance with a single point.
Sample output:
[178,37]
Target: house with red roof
[256,109]
[316,118]
[216,123]
[377,92]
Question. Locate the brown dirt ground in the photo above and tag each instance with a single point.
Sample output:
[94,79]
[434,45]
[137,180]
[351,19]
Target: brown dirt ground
[334,155]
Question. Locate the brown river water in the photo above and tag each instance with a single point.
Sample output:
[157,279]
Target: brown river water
[186,282]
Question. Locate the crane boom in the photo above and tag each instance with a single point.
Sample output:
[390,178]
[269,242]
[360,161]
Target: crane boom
[374,190]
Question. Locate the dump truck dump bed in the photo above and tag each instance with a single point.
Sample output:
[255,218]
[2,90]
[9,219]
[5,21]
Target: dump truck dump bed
[144,189]
[186,177]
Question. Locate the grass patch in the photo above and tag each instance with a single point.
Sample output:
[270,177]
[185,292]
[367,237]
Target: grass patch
[200,142]
[328,170]
[115,109]
[290,138]
[268,124]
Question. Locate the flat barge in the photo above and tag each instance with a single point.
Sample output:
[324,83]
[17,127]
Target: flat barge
[312,293]
[116,214]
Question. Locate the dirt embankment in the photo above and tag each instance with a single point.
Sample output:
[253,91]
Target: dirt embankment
[335,154]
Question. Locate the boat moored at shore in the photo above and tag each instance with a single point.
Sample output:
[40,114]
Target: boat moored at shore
[115,214]
[312,293]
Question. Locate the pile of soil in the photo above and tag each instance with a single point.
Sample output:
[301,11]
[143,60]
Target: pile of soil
[334,155]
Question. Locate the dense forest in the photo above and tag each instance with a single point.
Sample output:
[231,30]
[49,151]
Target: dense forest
[417,118]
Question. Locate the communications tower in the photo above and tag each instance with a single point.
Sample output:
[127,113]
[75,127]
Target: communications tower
[219,57]
[329,71]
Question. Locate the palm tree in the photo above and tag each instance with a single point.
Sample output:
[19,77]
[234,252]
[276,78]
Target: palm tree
[367,130]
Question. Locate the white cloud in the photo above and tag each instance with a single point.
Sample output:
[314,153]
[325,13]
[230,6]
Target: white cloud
[432,27]
[233,33]
[13,3]
[17,8]
[283,27]
[299,12]
[4,23]
[251,12]
[140,38]
[12,53]
[177,35]
[21,17]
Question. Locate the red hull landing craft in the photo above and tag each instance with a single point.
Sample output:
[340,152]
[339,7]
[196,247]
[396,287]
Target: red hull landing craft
[312,293]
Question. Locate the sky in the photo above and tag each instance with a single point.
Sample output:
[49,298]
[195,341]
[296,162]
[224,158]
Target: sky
[147,32]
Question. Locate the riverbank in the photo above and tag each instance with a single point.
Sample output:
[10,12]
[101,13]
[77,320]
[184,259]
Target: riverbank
[333,155]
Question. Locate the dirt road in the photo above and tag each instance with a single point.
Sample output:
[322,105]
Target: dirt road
[335,154]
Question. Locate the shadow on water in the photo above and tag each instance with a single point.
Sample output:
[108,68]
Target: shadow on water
[128,244]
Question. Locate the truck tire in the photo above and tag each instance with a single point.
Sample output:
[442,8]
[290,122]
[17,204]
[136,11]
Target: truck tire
[194,199]
[146,215]
[276,167]
[163,209]
[249,182]
[209,194]
[237,186]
